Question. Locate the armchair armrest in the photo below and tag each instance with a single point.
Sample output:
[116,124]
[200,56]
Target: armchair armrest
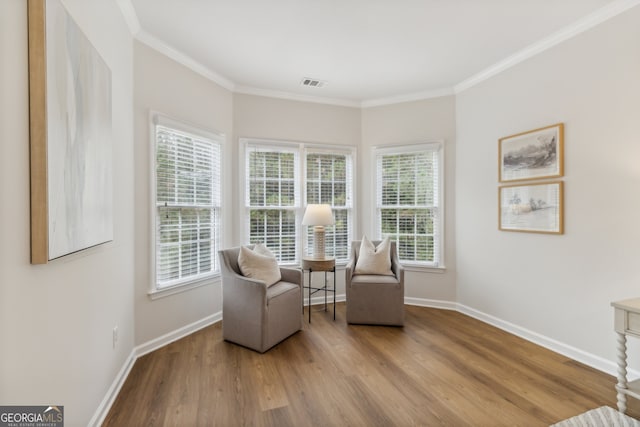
[349,272]
[239,291]
[397,269]
[291,275]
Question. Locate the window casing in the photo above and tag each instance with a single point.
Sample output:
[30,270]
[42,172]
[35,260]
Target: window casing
[187,203]
[280,180]
[409,190]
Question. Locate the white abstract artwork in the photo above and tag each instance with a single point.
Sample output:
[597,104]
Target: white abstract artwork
[79,140]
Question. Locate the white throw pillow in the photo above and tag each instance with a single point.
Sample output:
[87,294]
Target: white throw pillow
[263,250]
[374,260]
[259,264]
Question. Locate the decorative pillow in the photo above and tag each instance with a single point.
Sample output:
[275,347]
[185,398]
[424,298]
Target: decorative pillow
[374,260]
[263,250]
[260,264]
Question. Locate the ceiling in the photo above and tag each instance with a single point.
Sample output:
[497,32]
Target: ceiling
[367,51]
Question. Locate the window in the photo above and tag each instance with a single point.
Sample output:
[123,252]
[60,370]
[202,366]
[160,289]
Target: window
[278,177]
[329,182]
[272,199]
[187,203]
[409,194]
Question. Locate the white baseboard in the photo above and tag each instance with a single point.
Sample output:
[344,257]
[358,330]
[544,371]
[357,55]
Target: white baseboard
[141,350]
[112,393]
[170,337]
[581,356]
[596,362]
[320,299]
[432,303]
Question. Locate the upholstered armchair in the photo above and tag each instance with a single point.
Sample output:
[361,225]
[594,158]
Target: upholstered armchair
[255,315]
[375,299]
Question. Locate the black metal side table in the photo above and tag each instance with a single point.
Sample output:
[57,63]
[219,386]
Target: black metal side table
[326,265]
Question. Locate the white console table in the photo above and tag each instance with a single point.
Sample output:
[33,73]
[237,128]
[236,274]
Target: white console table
[627,322]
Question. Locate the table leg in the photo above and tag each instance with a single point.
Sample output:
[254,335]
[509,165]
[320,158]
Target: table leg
[325,291]
[334,293]
[309,304]
[622,372]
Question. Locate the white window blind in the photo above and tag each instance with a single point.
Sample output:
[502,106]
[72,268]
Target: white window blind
[187,206]
[408,201]
[272,199]
[329,180]
[280,179]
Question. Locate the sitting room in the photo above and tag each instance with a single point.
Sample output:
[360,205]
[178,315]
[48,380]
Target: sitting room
[320,213]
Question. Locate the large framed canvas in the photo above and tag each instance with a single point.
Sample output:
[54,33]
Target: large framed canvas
[70,140]
[534,208]
[535,154]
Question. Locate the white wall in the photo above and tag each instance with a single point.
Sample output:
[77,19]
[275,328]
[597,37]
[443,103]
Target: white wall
[162,85]
[410,122]
[56,319]
[271,118]
[557,286]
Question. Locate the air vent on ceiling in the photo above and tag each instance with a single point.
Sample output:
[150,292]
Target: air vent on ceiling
[307,81]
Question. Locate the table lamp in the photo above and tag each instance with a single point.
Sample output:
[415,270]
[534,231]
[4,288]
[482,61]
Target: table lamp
[318,216]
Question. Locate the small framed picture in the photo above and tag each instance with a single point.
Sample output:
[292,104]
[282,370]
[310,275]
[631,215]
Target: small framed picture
[530,155]
[533,208]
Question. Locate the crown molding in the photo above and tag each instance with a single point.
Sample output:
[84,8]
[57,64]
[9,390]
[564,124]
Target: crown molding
[248,90]
[603,14]
[416,96]
[184,59]
[130,16]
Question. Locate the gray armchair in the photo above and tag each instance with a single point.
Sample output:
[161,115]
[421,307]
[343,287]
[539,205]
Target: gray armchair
[254,315]
[375,299]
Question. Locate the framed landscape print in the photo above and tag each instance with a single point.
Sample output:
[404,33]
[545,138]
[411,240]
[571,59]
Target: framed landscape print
[534,208]
[70,136]
[532,155]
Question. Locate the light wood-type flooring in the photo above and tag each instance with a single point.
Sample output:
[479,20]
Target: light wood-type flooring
[441,368]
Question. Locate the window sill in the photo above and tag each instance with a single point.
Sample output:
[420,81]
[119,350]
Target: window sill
[183,287]
[340,265]
[407,267]
[424,268]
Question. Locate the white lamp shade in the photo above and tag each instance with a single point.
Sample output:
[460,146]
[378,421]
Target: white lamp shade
[318,215]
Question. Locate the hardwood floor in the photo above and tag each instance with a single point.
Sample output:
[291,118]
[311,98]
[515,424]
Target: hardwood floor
[442,368]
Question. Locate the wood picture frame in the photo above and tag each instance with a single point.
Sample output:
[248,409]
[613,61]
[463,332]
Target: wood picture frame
[70,114]
[535,154]
[532,207]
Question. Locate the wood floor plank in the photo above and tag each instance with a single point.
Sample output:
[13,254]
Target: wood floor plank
[441,368]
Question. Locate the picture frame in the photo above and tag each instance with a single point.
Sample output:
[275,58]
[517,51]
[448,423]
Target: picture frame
[535,154]
[532,207]
[71,149]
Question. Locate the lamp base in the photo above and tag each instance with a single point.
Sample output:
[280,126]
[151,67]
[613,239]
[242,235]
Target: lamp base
[318,242]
